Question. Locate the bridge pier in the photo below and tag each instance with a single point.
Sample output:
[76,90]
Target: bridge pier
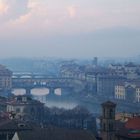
[51,91]
[28,91]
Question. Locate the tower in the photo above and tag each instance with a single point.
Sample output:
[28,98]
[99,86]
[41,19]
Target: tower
[108,121]
[95,62]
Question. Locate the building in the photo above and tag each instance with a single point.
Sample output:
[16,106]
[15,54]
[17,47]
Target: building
[130,130]
[95,62]
[53,133]
[116,66]
[126,127]
[5,80]
[120,92]
[9,127]
[130,68]
[106,84]
[108,121]
[137,98]
[25,108]
[129,91]
[3,101]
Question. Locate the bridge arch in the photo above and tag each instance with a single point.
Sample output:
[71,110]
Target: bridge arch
[58,91]
[40,91]
[19,91]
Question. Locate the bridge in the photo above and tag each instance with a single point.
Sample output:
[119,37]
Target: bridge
[29,82]
[30,75]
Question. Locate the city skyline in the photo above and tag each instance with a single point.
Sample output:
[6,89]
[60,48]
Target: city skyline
[72,28]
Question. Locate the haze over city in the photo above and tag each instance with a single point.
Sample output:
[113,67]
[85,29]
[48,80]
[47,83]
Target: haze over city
[69,28]
[69,69]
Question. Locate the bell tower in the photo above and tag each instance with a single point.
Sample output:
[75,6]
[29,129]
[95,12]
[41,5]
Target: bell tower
[108,121]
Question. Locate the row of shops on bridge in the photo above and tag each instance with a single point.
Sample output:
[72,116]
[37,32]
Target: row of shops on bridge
[9,82]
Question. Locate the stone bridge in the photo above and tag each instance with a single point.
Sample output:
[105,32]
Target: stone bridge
[29,83]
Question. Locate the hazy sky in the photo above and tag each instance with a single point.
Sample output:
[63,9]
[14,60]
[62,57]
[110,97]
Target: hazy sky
[69,28]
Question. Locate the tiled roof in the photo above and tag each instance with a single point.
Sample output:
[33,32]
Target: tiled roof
[133,123]
[131,129]
[17,100]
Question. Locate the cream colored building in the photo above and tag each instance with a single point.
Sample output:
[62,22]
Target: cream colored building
[137,94]
[25,108]
[120,92]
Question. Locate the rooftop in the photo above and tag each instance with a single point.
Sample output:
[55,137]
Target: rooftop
[53,133]
[4,71]
[23,100]
[108,103]
[133,123]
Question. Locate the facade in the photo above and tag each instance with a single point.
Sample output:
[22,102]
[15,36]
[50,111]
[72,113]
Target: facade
[130,70]
[3,101]
[137,94]
[106,84]
[120,129]
[5,80]
[129,91]
[120,92]
[116,66]
[25,108]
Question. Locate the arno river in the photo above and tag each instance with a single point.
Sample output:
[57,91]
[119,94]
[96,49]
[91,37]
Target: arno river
[42,95]
[93,104]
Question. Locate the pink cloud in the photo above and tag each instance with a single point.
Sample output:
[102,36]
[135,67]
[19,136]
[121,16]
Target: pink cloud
[67,17]
[72,11]
[3,7]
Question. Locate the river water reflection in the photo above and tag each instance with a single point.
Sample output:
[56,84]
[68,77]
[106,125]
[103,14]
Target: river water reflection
[42,94]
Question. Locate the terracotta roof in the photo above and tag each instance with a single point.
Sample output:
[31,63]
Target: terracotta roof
[131,129]
[124,133]
[133,123]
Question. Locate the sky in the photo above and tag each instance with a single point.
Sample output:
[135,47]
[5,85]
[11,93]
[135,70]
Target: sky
[69,28]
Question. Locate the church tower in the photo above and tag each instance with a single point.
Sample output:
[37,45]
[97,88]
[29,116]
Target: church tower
[108,121]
